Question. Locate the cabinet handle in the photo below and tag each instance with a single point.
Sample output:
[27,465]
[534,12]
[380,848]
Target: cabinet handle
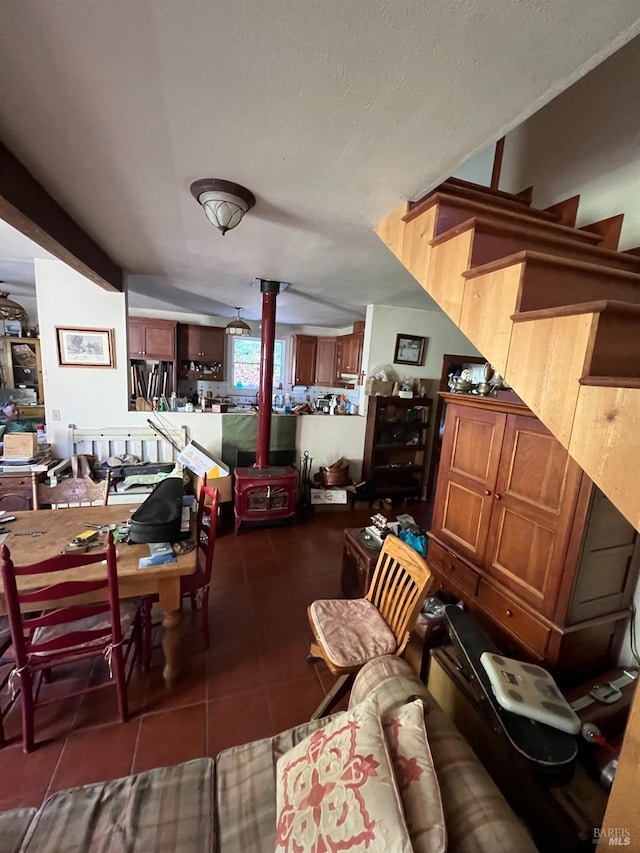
[498,497]
[509,613]
[487,492]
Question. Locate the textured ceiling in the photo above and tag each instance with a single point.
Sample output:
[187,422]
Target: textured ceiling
[331,112]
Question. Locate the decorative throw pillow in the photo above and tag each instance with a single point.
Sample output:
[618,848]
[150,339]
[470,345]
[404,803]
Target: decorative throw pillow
[416,777]
[336,790]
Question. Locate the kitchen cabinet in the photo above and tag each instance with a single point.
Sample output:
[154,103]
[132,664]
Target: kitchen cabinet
[349,354]
[204,346]
[325,361]
[395,446]
[152,339]
[526,540]
[304,360]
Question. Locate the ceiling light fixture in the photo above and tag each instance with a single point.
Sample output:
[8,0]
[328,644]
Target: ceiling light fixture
[224,202]
[10,310]
[238,326]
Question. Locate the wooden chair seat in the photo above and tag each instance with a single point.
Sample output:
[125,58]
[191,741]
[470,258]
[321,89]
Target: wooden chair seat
[347,634]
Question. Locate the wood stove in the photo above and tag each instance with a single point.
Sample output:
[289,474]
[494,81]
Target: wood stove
[265,493]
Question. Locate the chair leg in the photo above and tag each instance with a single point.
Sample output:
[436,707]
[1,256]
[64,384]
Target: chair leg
[194,605]
[205,617]
[28,710]
[147,651]
[117,663]
[339,689]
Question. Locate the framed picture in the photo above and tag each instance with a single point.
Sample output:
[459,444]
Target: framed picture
[410,349]
[85,347]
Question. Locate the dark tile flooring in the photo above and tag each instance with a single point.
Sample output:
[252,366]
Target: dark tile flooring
[253,682]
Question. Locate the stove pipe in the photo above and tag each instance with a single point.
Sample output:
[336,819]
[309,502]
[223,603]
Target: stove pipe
[269,290]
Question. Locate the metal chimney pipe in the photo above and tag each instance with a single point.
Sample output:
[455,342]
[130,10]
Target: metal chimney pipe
[269,290]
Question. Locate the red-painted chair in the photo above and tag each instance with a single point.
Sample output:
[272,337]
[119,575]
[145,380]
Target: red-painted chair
[6,661]
[195,586]
[68,631]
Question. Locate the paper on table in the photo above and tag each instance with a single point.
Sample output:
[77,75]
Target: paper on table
[3,536]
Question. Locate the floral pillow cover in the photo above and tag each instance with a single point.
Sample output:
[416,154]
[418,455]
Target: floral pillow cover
[416,777]
[336,790]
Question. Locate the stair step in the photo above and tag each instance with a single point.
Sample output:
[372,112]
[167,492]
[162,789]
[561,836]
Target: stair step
[547,281]
[523,197]
[453,210]
[493,240]
[611,381]
[483,195]
[609,230]
[614,342]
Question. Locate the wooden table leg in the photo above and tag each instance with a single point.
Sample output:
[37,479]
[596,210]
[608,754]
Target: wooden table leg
[171,645]
[170,617]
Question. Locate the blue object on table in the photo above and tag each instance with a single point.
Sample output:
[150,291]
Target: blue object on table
[418,541]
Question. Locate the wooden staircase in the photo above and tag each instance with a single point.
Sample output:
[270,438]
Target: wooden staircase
[554,308]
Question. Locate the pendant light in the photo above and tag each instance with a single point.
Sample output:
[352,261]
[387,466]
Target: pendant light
[238,326]
[10,310]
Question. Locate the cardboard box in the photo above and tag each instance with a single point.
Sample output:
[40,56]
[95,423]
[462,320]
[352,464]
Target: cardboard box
[223,485]
[20,445]
[328,496]
[376,388]
[200,462]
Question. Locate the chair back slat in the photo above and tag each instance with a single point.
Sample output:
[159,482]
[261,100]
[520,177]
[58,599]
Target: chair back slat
[74,491]
[52,618]
[66,589]
[22,629]
[399,584]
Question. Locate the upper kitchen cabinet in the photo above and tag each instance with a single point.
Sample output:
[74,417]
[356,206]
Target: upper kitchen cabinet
[304,359]
[152,339]
[325,361]
[349,354]
[203,348]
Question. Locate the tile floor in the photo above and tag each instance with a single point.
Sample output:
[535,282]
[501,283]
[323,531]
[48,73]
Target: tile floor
[253,682]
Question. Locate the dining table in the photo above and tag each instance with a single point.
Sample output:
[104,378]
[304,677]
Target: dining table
[36,535]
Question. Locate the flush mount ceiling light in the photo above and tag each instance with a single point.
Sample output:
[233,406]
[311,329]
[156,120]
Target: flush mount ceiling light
[224,202]
[238,326]
[10,310]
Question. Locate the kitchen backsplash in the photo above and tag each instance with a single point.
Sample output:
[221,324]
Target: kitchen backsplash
[226,391]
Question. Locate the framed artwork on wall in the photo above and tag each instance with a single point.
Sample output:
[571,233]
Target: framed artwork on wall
[85,347]
[410,349]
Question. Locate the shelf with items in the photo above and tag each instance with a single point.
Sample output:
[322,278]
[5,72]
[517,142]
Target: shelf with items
[23,371]
[396,446]
[151,379]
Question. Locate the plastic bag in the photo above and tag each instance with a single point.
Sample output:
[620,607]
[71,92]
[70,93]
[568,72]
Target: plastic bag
[418,541]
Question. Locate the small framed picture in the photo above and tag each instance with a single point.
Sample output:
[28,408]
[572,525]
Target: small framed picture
[410,349]
[85,347]
[13,328]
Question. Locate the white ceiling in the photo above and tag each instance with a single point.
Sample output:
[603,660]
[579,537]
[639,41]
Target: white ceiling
[330,111]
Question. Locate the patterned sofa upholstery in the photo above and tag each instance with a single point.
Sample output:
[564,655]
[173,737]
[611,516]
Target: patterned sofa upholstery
[230,806]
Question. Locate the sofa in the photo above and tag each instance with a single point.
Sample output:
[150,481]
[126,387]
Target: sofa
[230,804]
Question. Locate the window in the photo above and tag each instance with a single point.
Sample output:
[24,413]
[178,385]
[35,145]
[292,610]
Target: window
[246,362]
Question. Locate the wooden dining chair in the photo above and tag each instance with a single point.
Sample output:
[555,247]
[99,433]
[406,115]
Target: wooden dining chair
[349,632]
[195,587]
[70,627]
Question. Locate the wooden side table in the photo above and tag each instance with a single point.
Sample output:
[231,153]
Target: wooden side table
[17,491]
[359,558]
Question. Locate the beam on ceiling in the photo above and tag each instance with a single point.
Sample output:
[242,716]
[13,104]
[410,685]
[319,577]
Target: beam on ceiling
[28,207]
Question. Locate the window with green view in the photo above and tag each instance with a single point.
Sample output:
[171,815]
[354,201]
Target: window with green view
[246,362]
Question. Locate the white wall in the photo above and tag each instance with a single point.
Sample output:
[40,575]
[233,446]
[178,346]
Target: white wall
[587,142]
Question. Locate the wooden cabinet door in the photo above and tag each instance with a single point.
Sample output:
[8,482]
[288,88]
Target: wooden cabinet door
[213,340]
[533,505]
[304,359]
[325,361]
[468,472]
[339,356]
[160,341]
[191,342]
[355,354]
[136,337]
